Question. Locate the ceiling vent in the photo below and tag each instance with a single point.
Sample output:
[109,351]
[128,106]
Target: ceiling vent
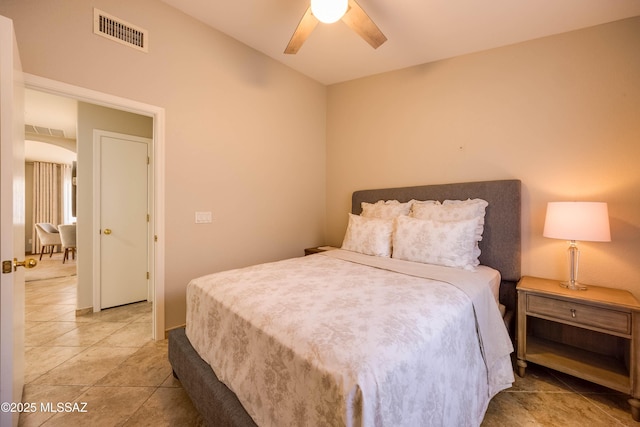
[120,31]
[40,130]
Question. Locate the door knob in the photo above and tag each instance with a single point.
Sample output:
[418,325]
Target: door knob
[28,263]
[107,231]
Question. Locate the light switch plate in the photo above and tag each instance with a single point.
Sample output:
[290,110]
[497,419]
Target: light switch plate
[203,217]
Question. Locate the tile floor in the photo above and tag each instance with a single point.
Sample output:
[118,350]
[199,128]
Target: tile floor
[552,399]
[109,361]
[106,359]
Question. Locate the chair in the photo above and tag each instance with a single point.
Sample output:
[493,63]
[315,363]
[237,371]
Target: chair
[68,237]
[48,235]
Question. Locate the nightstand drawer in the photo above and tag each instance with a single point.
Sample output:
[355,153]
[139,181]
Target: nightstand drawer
[580,314]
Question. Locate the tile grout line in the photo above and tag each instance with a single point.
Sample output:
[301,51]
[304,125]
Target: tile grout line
[583,395]
[84,388]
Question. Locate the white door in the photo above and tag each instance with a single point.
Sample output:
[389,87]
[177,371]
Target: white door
[11,223]
[123,218]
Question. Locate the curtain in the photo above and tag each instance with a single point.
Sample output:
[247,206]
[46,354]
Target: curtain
[51,200]
[67,215]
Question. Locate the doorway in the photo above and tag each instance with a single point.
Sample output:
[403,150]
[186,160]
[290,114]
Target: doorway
[156,224]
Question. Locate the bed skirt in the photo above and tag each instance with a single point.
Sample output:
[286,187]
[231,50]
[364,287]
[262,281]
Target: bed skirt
[217,405]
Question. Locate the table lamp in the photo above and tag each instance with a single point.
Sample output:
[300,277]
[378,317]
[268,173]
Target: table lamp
[572,221]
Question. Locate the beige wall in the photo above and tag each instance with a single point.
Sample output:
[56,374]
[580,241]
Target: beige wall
[91,117]
[560,113]
[245,135]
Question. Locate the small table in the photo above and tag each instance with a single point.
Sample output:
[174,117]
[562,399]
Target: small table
[592,334]
[316,250]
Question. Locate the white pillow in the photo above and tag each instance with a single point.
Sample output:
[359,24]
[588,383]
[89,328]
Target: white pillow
[385,209]
[471,207]
[370,236]
[453,210]
[447,243]
[423,202]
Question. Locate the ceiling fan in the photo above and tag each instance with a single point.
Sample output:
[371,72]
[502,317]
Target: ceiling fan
[351,14]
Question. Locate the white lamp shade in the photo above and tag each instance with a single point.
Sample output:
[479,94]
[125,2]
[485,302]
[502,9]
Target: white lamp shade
[329,11]
[585,221]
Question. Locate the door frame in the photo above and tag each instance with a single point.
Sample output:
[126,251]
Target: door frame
[157,224]
[97,220]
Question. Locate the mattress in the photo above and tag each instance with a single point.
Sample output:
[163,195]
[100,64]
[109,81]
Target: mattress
[340,338]
[493,279]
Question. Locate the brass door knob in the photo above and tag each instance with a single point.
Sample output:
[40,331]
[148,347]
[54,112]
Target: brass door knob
[28,263]
[107,231]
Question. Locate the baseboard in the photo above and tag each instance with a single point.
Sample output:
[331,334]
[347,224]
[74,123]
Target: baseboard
[83,311]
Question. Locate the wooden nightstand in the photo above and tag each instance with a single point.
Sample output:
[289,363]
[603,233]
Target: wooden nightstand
[592,334]
[311,251]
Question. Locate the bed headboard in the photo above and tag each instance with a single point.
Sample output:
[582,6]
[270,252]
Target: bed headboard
[500,245]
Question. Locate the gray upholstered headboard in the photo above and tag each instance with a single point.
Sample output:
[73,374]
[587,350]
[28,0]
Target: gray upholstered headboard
[500,245]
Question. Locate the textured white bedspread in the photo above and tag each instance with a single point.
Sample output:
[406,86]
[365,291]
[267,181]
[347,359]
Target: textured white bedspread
[320,340]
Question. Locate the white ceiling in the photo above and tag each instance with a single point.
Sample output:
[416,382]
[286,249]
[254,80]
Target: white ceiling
[51,111]
[418,31]
[35,151]
[54,112]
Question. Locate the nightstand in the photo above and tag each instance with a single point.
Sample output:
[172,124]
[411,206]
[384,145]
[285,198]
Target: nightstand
[311,251]
[592,334]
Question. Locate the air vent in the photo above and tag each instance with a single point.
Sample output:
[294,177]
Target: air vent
[41,130]
[120,31]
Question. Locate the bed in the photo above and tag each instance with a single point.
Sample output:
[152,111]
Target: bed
[407,357]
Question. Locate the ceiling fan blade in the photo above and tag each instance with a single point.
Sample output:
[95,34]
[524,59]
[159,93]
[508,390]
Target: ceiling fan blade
[304,28]
[358,20]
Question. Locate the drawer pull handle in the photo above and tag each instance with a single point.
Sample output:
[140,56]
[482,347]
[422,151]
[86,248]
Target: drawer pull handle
[573,313]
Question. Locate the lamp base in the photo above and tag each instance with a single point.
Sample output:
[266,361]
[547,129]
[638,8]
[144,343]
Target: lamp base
[574,286]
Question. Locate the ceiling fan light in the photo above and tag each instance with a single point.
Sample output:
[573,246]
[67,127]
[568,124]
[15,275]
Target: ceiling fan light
[329,11]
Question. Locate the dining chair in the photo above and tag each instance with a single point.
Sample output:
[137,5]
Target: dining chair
[68,237]
[49,237]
